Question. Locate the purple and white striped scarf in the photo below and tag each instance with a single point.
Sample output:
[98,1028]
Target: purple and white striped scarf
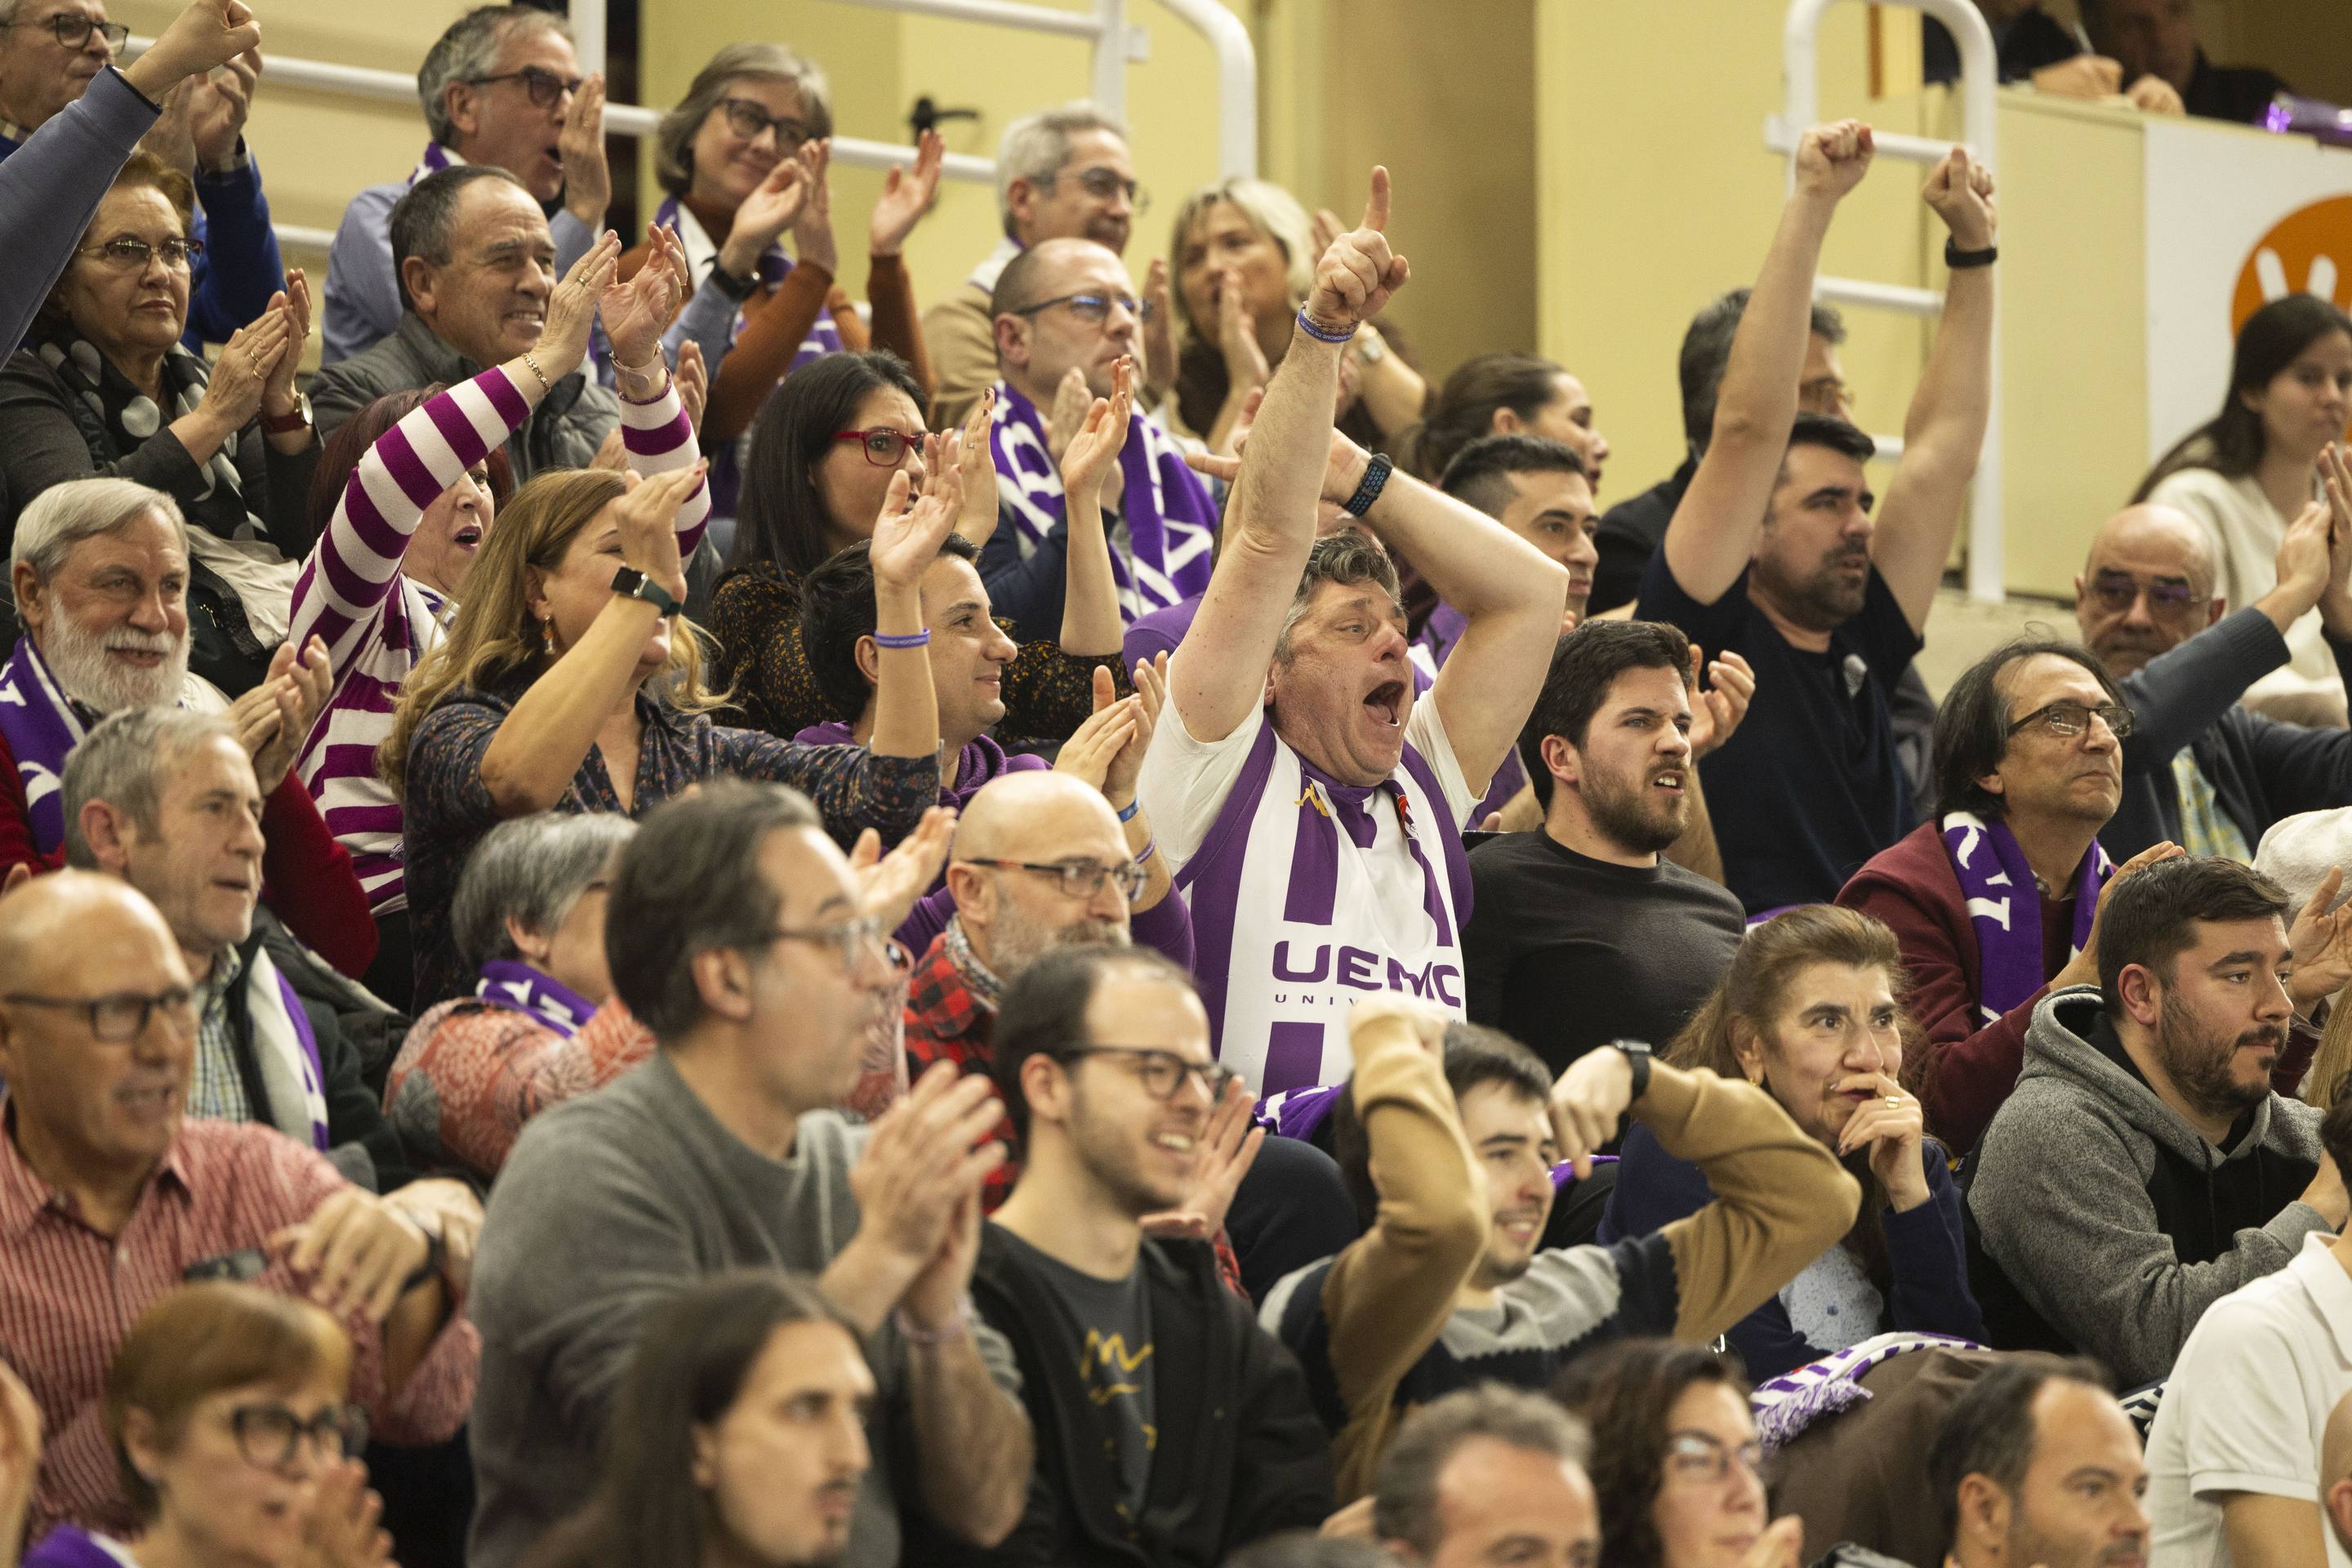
[2004,906]
[39,724]
[518,986]
[1171,519]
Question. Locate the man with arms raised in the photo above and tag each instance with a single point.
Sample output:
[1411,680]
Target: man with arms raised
[1774,555]
[1309,799]
[2036,1465]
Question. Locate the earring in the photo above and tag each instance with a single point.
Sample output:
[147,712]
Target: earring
[547,637]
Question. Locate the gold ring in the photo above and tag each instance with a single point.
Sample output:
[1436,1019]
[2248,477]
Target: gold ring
[1893,1100]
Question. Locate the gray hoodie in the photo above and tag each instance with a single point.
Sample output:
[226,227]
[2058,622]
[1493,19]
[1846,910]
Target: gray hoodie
[2115,1219]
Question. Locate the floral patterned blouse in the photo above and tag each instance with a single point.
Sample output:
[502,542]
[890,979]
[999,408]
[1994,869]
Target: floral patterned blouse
[449,807]
[755,617]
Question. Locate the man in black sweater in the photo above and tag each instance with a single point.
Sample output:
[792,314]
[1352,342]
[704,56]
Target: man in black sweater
[2146,605]
[1580,933]
[1123,1339]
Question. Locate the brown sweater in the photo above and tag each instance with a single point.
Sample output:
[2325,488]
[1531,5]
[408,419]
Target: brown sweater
[1378,1329]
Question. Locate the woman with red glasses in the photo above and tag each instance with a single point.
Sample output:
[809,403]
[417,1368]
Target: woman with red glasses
[822,455]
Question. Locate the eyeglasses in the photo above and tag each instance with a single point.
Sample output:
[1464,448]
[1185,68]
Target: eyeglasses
[1079,879]
[1163,1073]
[2070,718]
[1092,309]
[1105,184]
[129,253]
[2117,592]
[122,1015]
[544,85]
[267,1435]
[884,447]
[73,30]
[1695,1457]
[747,120]
[853,940]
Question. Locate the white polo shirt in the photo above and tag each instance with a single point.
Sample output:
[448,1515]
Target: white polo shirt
[2247,1404]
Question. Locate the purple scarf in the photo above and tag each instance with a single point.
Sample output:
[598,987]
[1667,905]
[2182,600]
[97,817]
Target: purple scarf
[1171,519]
[40,725]
[1327,806]
[508,983]
[2004,905]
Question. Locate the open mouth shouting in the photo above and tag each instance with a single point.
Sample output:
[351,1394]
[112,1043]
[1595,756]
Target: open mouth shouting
[468,537]
[1385,703]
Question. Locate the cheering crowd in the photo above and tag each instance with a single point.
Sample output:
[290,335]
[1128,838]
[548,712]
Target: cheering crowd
[666,917]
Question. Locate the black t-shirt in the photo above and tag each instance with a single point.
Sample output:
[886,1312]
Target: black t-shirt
[1565,953]
[1629,534]
[1811,785]
[1106,1325]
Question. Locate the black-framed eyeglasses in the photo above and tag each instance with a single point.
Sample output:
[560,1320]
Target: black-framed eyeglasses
[1104,184]
[747,120]
[1696,1456]
[852,940]
[1079,879]
[267,1434]
[129,253]
[1163,1073]
[2117,590]
[122,1015]
[73,30]
[1092,309]
[884,447]
[544,85]
[2067,719]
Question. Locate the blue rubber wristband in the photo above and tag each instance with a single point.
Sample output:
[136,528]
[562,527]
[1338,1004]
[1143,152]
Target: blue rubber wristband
[1318,331]
[1375,479]
[1132,808]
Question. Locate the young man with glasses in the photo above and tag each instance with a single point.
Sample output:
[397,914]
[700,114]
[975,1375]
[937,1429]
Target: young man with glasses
[50,53]
[111,1194]
[1064,173]
[503,87]
[1170,1427]
[742,936]
[2146,605]
[1066,316]
[2147,1164]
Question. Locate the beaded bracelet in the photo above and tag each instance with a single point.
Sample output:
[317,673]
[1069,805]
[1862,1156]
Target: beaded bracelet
[1320,332]
[545,386]
[903,640]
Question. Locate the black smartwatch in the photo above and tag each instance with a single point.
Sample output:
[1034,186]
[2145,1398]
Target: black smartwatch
[1637,1057]
[1959,261]
[631,583]
[736,288]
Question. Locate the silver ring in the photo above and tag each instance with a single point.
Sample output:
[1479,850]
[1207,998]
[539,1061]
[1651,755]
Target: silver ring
[1893,1100]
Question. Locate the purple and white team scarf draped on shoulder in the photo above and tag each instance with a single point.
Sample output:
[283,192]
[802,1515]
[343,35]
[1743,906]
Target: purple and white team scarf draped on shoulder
[41,729]
[1170,518]
[522,989]
[2004,906]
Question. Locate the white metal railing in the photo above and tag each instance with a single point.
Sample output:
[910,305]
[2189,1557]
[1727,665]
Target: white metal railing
[1980,76]
[1116,43]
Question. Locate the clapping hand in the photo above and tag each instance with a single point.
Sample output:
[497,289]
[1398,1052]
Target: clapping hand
[889,885]
[771,207]
[906,539]
[906,199]
[274,719]
[1222,1155]
[646,515]
[813,226]
[570,313]
[637,312]
[1356,279]
[587,175]
[277,395]
[217,105]
[233,393]
[2322,940]
[1097,744]
[977,518]
[1159,330]
[1729,688]
[1072,401]
[1090,458]
[693,375]
[918,1187]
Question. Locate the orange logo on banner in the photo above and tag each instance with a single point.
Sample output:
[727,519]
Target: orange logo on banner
[2308,251]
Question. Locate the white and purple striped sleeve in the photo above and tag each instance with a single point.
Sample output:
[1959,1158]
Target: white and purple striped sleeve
[660,440]
[353,568]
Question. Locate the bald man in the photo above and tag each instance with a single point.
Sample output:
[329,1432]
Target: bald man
[2201,772]
[109,1196]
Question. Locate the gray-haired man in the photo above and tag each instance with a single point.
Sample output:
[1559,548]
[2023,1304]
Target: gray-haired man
[1489,1475]
[502,87]
[1061,173]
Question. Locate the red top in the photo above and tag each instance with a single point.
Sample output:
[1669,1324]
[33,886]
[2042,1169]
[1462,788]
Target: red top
[306,876]
[493,1068]
[68,1296]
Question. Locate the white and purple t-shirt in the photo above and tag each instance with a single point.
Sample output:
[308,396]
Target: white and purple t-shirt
[1305,894]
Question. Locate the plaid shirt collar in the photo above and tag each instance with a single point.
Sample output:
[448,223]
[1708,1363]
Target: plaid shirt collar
[942,1002]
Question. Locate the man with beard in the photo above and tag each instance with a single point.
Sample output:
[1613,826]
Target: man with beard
[2036,1465]
[2137,1173]
[753,950]
[1450,1133]
[2222,773]
[100,572]
[1582,934]
[1103,1060]
[1773,553]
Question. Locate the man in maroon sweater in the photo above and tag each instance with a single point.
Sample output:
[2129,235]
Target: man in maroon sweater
[2031,752]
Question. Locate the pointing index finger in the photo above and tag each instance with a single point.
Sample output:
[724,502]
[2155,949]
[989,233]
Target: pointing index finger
[1376,209]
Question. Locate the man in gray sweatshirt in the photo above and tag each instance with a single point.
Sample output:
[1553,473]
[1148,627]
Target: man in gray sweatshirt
[2144,1168]
[739,935]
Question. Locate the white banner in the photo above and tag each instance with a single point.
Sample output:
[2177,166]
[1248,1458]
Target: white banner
[2235,219]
